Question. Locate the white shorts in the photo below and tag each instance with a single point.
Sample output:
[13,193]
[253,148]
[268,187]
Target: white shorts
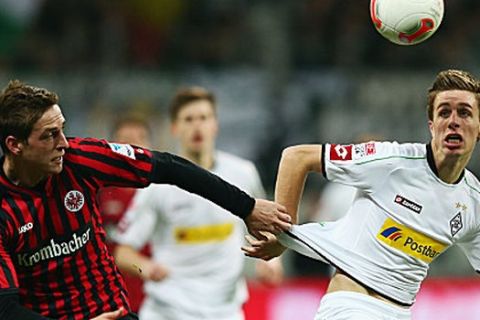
[345,305]
[154,310]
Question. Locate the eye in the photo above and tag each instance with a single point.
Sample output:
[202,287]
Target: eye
[465,113]
[444,113]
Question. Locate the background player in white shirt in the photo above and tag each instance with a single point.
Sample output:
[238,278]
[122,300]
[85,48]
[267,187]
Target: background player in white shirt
[414,201]
[196,271]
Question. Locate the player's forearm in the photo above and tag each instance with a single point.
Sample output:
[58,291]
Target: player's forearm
[295,164]
[129,260]
[171,169]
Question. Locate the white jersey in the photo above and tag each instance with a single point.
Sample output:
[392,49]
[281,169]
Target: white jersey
[403,217]
[196,240]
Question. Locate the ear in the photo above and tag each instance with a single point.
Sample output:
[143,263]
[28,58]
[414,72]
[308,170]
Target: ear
[430,127]
[173,129]
[14,145]
[217,127]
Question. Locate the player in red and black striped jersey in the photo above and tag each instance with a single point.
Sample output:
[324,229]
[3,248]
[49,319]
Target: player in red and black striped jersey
[53,259]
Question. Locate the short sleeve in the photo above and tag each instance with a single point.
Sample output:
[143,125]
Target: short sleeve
[110,164]
[138,224]
[366,165]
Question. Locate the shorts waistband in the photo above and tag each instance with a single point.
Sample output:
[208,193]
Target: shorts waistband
[365,301]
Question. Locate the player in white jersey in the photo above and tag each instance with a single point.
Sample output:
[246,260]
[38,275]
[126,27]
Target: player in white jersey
[414,201]
[196,271]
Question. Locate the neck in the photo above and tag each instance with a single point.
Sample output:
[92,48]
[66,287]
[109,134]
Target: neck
[20,174]
[449,169]
[202,159]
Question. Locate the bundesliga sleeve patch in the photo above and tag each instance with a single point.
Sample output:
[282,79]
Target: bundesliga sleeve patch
[364,149]
[124,149]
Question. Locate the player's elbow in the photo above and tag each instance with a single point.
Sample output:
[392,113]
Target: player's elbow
[305,156]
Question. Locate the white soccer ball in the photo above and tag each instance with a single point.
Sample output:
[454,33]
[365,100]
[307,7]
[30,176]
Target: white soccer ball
[406,22]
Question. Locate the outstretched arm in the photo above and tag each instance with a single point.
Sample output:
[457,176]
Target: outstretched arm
[258,214]
[295,164]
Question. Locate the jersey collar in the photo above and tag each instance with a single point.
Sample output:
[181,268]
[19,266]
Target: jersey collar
[433,167]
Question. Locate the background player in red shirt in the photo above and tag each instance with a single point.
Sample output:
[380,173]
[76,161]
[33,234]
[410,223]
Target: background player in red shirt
[131,129]
[54,262]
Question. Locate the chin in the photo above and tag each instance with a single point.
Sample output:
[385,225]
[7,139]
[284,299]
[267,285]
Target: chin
[57,169]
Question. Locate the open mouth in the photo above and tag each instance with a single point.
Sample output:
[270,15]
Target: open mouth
[197,138]
[453,139]
[58,159]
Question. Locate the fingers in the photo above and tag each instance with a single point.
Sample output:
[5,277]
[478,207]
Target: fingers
[269,236]
[258,235]
[282,208]
[285,217]
[253,253]
[111,315]
[114,314]
[252,241]
[280,226]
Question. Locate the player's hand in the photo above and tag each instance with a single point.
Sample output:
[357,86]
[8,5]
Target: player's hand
[266,249]
[269,272]
[267,216]
[111,315]
[154,272]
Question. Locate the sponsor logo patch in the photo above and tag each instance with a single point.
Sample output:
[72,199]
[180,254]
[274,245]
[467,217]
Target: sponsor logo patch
[74,200]
[124,149]
[340,152]
[408,204]
[203,234]
[409,241]
[55,248]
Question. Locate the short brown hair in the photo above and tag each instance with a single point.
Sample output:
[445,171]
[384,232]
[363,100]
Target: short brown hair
[186,95]
[21,106]
[452,80]
[131,119]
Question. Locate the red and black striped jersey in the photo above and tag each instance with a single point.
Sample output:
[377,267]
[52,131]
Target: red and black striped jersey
[52,243]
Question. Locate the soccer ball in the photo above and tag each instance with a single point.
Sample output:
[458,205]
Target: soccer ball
[406,22]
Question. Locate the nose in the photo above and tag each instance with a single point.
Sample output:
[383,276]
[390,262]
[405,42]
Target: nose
[63,142]
[453,121]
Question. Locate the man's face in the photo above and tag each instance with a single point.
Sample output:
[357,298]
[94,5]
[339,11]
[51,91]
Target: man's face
[455,125]
[196,127]
[43,153]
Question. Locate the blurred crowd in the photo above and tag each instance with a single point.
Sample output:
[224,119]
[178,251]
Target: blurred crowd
[57,34]
[287,39]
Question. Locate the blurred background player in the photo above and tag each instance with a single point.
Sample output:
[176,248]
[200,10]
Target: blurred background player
[196,269]
[130,129]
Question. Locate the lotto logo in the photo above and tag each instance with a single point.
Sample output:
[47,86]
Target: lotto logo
[25,228]
[340,152]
